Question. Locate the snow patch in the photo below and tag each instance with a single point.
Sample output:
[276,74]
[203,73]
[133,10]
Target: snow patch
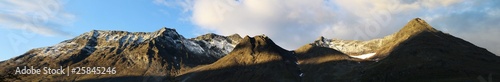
[364,56]
[140,40]
[128,37]
[350,46]
[57,49]
[222,44]
[193,47]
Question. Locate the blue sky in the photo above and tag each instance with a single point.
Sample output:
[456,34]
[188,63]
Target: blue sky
[28,24]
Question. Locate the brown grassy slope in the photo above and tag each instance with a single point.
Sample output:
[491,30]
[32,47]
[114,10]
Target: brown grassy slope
[254,59]
[421,53]
[413,27]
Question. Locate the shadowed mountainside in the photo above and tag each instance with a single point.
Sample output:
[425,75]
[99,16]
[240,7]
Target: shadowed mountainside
[417,53]
[421,53]
[254,59]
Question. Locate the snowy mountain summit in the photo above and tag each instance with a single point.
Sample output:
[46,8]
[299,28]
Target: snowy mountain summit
[208,45]
[160,53]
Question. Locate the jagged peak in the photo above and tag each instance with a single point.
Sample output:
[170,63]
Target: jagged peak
[256,36]
[163,29]
[233,39]
[254,50]
[110,32]
[257,41]
[264,37]
[235,35]
[414,28]
[416,25]
[167,31]
[107,35]
[251,41]
[208,36]
[321,38]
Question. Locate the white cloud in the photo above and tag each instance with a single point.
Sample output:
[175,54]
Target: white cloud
[288,20]
[475,23]
[44,17]
[251,17]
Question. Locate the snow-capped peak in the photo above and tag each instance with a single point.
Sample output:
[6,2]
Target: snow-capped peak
[167,32]
[350,47]
[212,45]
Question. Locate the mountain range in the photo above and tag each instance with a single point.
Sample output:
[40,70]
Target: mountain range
[417,52]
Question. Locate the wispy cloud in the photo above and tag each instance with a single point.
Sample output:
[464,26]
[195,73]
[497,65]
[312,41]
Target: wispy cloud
[45,17]
[292,23]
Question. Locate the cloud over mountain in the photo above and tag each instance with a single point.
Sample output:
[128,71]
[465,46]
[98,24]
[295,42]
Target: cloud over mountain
[39,17]
[294,22]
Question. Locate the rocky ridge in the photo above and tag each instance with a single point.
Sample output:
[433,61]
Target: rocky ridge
[417,52]
[151,56]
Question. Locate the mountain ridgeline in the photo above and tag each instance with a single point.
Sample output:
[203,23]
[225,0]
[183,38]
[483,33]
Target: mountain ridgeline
[417,52]
[139,56]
